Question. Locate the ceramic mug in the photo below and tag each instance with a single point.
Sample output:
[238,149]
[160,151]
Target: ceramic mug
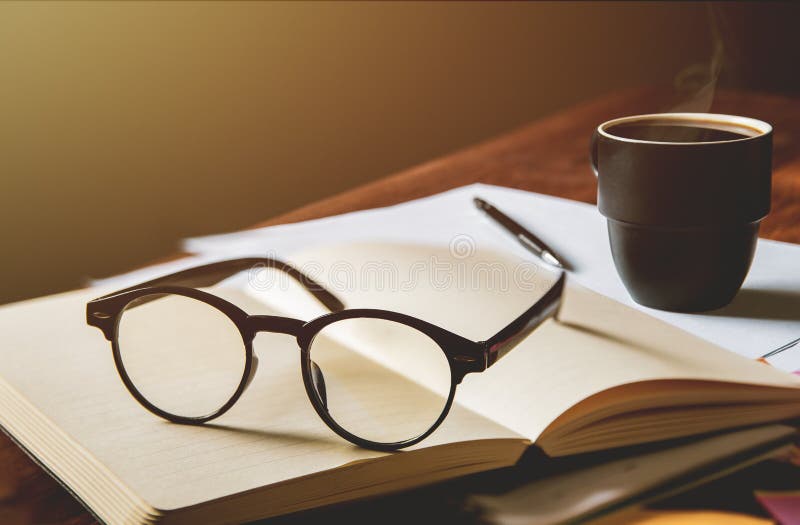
[683,195]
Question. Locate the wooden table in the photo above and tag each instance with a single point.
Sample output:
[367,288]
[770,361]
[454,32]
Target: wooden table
[548,156]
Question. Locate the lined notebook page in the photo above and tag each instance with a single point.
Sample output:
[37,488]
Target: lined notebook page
[555,368]
[65,369]
[601,344]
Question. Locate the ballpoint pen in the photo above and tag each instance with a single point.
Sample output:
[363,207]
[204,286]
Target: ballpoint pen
[790,344]
[530,241]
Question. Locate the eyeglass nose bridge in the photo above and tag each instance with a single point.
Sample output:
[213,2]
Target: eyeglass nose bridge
[268,323]
[288,326]
[275,324]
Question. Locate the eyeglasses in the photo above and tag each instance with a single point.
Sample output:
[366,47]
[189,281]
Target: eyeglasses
[379,379]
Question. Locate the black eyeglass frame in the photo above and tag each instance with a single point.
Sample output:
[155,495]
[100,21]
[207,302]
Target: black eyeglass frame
[463,355]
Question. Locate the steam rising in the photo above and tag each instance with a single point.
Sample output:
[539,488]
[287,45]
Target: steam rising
[696,84]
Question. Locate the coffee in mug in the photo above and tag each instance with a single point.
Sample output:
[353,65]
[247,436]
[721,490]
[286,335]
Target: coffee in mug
[683,195]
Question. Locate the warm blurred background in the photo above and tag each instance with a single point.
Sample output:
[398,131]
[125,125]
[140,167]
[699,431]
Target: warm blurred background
[128,126]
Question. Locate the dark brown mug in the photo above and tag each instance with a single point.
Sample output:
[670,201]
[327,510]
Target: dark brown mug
[683,195]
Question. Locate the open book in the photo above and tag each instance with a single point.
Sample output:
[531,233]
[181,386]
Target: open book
[601,376]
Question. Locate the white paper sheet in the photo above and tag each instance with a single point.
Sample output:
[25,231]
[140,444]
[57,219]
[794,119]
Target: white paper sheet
[765,315]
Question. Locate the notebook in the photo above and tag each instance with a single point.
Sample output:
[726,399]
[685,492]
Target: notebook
[602,376]
[609,490]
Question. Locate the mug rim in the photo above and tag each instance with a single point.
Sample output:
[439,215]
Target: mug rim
[763,128]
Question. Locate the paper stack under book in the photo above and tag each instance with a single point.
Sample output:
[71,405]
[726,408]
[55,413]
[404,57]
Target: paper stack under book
[603,376]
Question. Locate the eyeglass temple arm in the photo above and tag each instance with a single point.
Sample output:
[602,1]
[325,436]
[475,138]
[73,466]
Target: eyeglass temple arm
[509,337]
[213,273]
